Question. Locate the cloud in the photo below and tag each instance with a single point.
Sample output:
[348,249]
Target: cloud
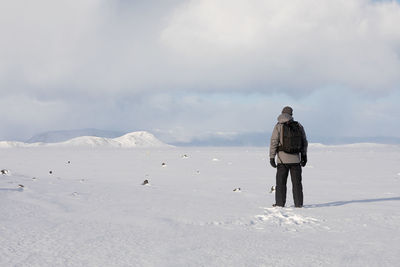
[22,116]
[193,67]
[206,45]
[290,45]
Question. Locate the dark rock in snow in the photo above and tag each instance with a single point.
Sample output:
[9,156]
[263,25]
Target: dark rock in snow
[272,189]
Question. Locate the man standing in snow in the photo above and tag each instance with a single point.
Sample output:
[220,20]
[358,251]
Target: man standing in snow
[289,144]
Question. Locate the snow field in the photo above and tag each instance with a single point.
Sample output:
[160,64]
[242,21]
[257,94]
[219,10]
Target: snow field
[94,211]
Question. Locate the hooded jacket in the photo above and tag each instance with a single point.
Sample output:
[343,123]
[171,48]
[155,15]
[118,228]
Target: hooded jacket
[276,140]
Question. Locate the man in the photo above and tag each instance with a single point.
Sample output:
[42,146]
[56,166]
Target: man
[289,144]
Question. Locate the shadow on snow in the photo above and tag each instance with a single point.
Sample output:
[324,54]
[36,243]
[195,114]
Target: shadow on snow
[341,203]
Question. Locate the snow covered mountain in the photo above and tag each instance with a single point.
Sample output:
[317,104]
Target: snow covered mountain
[134,139]
[12,144]
[65,135]
[142,138]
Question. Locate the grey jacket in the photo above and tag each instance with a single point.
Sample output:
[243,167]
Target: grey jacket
[276,139]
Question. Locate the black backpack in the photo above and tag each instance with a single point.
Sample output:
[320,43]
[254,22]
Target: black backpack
[292,138]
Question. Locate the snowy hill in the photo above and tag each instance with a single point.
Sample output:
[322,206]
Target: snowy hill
[62,136]
[134,139]
[12,144]
[86,141]
[138,139]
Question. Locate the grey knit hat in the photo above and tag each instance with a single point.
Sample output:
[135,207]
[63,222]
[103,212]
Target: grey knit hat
[287,110]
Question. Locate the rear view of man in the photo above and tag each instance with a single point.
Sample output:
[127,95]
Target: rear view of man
[289,144]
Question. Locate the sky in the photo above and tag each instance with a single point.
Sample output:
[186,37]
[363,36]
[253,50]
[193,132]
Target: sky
[187,69]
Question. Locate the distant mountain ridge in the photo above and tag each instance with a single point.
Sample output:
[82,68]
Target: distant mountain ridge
[65,135]
[262,139]
[129,140]
[96,137]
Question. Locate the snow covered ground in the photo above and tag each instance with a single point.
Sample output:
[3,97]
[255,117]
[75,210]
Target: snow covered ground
[87,207]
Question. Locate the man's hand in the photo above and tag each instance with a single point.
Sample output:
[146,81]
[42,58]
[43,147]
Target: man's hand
[303,161]
[272,162]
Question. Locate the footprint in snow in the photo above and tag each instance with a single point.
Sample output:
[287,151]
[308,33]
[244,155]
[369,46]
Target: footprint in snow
[286,218]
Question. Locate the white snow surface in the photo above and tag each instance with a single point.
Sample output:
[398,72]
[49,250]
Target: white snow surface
[93,211]
[134,139]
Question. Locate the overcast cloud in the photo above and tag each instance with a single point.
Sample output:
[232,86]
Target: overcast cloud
[187,68]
